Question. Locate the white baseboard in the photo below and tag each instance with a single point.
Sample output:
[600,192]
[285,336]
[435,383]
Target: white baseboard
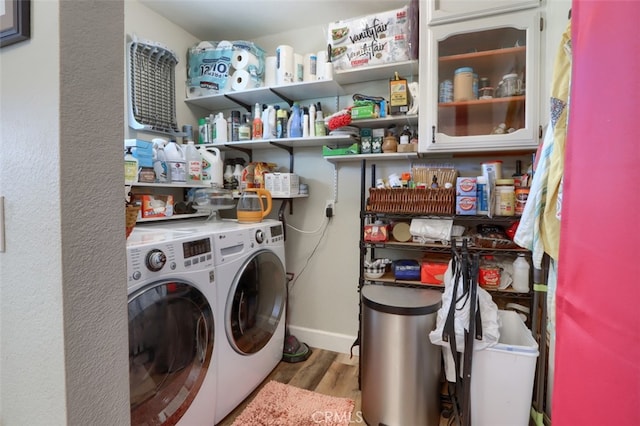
[335,342]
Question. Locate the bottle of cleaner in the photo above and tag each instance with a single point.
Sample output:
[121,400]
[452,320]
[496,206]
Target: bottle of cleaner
[160,166]
[228,176]
[266,127]
[244,130]
[296,122]
[305,122]
[194,163]
[281,124]
[176,162]
[272,121]
[130,167]
[521,274]
[312,120]
[257,123]
[221,129]
[237,175]
[212,166]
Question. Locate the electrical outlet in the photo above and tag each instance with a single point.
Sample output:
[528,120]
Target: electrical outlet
[330,206]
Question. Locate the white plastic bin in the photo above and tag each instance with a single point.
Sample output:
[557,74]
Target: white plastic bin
[502,376]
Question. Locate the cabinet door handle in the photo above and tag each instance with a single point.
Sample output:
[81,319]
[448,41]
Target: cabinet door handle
[433,134]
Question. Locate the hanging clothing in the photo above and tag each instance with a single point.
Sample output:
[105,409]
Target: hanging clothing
[539,229]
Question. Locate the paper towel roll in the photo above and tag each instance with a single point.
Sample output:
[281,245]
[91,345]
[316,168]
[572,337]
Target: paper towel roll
[270,71]
[284,64]
[309,67]
[298,67]
[242,80]
[321,59]
[242,59]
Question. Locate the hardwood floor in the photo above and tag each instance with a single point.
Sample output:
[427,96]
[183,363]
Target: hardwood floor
[325,372]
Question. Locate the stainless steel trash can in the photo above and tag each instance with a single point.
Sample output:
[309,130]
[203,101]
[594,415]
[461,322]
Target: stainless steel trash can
[400,367]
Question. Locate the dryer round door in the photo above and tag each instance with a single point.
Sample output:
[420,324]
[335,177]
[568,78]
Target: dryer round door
[171,337]
[256,302]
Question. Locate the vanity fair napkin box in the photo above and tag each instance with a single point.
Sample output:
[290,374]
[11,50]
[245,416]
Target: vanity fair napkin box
[282,184]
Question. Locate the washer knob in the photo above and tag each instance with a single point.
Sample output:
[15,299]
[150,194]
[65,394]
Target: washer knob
[259,236]
[155,260]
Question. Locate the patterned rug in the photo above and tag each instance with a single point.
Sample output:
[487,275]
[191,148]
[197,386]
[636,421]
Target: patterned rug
[278,404]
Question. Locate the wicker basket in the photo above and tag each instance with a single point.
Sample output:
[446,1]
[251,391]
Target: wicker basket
[494,243]
[131,214]
[412,201]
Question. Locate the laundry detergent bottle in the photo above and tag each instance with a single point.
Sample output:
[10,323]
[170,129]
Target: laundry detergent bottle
[212,166]
[176,161]
[194,163]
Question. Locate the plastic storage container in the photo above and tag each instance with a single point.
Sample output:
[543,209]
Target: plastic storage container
[503,375]
[400,365]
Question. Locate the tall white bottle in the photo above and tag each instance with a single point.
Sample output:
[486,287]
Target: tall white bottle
[194,163]
[221,129]
[521,274]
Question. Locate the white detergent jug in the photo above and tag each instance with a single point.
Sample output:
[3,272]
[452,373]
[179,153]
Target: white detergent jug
[212,166]
[177,162]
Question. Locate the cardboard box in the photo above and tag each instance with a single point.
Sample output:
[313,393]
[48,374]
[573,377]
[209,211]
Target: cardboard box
[344,150]
[466,205]
[406,270]
[282,184]
[155,205]
[366,138]
[466,186]
[363,112]
[432,270]
[376,233]
[376,142]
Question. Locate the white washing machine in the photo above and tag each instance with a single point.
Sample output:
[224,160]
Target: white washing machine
[251,284]
[172,327]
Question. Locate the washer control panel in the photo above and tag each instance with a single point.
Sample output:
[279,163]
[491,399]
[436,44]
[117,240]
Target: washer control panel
[162,258]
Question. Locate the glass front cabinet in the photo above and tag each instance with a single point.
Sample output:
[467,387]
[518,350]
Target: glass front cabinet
[481,88]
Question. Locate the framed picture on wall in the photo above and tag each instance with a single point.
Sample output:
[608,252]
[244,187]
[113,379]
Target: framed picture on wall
[15,21]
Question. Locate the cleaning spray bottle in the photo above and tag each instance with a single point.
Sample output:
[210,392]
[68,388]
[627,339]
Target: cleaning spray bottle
[258,127]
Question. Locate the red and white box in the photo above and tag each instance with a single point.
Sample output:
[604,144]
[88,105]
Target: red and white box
[466,186]
[466,205]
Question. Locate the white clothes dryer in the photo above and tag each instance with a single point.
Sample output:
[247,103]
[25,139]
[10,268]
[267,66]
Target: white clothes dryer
[251,283]
[172,327]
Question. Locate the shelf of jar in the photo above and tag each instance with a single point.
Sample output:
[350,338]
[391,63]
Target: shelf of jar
[169,185]
[388,278]
[486,63]
[456,218]
[411,120]
[440,248]
[377,72]
[482,102]
[268,95]
[375,157]
[288,142]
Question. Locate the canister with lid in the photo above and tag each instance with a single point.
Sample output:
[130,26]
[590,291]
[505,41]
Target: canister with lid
[512,85]
[463,84]
[521,195]
[505,197]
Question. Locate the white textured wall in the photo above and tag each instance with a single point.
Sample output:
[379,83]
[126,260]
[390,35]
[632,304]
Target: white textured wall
[63,291]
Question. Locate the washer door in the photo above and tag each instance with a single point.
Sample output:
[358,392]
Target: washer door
[171,335]
[256,302]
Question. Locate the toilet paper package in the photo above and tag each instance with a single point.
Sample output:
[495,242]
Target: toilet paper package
[211,65]
[374,39]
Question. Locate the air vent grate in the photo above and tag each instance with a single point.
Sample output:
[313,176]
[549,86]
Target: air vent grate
[151,94]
